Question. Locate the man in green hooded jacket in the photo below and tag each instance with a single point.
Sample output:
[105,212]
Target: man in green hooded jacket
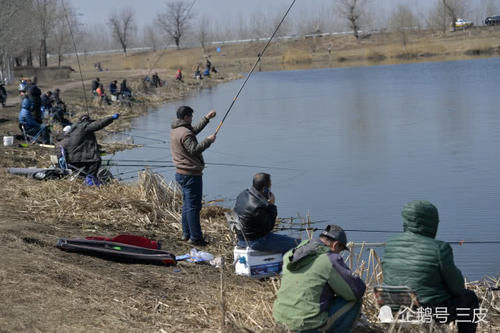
[417,260]
[318,291]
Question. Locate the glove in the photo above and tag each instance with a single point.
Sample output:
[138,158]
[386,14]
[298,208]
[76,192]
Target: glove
[115,116]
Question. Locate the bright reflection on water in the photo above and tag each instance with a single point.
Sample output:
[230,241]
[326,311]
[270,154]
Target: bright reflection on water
[357,144]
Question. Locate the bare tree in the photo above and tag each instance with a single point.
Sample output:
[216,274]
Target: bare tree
[454,8]
[17,38]
[123,26]
[353,11]
[402,21]
[445,13]
[43,15]
[203,31]
[151,37]
[176,20]
[61,36]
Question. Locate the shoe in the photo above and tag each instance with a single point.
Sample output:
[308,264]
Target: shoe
[184,238]
[200,242]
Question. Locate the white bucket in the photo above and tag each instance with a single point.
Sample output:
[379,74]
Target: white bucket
[8,140]
[113,98]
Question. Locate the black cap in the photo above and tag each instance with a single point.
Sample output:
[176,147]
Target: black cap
[334,232]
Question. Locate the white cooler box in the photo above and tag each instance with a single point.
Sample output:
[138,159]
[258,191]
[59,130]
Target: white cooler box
[256,264]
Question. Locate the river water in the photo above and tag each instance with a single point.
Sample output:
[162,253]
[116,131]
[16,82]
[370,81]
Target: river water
[353,145]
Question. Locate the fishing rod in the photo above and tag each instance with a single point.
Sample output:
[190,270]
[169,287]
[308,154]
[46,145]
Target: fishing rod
[462,242]
[208,163]
[132,136]
[77,57]
[259,56]
[350,230]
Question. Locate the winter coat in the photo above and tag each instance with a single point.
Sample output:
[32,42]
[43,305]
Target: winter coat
[415,259]
[312,277]
[25,116]
[47,101]
[113,88]
[95,85]
[257,216]
[185,149]
[82,143]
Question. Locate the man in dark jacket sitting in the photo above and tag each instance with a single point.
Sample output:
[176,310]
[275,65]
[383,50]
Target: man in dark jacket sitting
[417,260]
[82,150]
[257,213]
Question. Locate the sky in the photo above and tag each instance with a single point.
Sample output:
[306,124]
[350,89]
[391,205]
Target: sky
[97,11]
[229,13]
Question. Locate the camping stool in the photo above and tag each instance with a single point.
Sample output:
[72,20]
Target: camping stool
[250,262]
[30,138]
[398,306]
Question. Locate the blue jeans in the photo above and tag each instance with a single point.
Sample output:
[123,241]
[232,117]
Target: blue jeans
[192,190]
[345,320]
[271,243]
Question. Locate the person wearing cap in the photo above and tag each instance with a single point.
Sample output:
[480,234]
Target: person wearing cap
[318,291]
[414,258]
[257,213]
[81,148]
[189,164]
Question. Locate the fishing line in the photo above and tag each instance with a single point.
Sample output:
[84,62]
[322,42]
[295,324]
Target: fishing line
[77,57]
[126,161]
[132,136]
[462,242]
[253,68]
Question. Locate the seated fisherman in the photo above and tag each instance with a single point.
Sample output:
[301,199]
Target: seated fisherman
[47,102]
[257,214]
[125,90]
[30,125]
[415,259]
[113,88]
[82,150]
[318,292]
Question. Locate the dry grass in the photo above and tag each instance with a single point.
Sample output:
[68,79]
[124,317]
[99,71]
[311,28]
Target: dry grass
[152,207]
[296,56]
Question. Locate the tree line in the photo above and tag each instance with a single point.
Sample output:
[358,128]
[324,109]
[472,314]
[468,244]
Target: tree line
[30,30]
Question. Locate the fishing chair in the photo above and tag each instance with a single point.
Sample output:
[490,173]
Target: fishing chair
[104,176]
[33,138]
[399,306]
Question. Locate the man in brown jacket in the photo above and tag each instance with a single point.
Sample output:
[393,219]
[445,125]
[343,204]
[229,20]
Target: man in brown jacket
[189,165]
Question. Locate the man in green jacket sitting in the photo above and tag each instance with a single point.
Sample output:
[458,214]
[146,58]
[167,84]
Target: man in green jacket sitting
[318,292]
[417,260]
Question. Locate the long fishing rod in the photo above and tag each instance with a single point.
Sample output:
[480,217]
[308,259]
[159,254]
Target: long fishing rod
[132,136]
[77,57]
[253,68]
[126,163]
[350,230]
[462,242]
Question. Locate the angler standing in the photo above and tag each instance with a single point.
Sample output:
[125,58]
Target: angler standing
[189,164]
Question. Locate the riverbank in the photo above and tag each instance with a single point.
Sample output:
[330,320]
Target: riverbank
[45,289]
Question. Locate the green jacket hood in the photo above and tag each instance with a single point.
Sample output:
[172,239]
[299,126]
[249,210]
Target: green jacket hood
[420,217]
[306,249]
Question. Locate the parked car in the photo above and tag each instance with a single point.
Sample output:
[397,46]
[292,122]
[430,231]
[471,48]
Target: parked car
[492,20]
[463,24]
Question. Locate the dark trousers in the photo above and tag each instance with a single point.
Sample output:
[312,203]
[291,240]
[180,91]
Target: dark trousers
[461,310]
[88,168]
[192,190]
